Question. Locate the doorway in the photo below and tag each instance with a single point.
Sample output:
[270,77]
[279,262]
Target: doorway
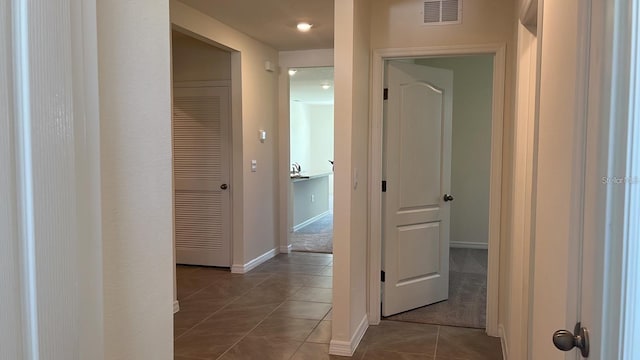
[311,156]
[467,263]
[201,152]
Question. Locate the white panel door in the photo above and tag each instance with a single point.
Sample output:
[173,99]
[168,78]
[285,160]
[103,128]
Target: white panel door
[201,175]
[417,171]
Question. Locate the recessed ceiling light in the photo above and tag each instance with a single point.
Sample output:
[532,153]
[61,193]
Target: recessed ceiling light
[326,86]
[304,27]
[292,72]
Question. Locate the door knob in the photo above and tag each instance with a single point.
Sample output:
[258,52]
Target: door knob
[565,340]
[223,186]
[448,197]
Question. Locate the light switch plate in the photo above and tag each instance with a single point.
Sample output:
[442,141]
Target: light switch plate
[254,165]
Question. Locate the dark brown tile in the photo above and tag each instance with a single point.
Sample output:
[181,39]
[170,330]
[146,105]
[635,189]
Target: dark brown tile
[268,294]
[322,333]
[192,311]
[302,310]
[203,345]
[184,358]
[291,279]
[373,354]
[233,286]
[313,294]
[234,319]
[401,337]
[291,268]
[184,270]
[463,343]
[252,347]
[310,351]
[285,328]
[325,282]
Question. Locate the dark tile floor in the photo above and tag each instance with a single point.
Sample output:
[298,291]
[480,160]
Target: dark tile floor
[282,310]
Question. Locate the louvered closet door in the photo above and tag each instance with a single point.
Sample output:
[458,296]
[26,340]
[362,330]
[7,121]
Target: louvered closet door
[201,170]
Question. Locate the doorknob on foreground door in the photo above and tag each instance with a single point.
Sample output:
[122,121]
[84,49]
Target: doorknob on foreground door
[448,197]
[565,340]
[223,186]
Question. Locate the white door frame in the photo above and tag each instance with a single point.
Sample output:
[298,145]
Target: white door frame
[495,188]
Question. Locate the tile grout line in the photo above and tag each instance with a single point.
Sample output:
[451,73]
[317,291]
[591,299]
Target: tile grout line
[435,351]
[271,275]
[261,321]
[253,328]
[222,308]
[305,339]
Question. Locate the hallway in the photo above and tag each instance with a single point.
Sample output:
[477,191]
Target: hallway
[282,310]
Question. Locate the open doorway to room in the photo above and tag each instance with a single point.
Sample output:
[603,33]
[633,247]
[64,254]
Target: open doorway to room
[439,202]
[455,202]
[201,137]
[311,155]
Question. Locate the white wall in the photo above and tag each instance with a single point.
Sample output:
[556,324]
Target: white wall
[471,148]
[135,115]
[311,137]
[351,121]
[254,107]
[321,142]
[398,23]
[300,135]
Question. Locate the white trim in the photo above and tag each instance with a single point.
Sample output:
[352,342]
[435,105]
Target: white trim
[309,221]
[285,249]
[468,245]
[243,269]
[344,348]
[503,342]
[176,306]
[375,173]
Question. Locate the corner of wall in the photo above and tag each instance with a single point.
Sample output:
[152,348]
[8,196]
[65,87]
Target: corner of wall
[348,348]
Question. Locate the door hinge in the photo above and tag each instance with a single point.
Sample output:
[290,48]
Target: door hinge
[385,94]
[382,275]
[384,186]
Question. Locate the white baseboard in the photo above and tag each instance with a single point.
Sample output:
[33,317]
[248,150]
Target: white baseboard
[347,348]
[503,342]
[468,245]
[309,221]
[243,269]
[176,306]
[285,249]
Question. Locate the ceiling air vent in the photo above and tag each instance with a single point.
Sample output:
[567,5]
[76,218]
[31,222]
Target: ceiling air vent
[442,12]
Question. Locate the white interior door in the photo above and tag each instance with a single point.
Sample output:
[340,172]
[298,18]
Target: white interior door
[417,171]
[201,175]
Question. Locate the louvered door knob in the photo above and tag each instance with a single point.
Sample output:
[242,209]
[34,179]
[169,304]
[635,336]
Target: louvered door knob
[223,186]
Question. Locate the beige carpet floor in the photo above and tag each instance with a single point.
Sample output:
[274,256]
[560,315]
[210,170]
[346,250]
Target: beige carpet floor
[466,306]
[315,237]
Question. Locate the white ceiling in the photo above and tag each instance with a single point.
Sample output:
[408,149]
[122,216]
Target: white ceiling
[306,85]
[274,21]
